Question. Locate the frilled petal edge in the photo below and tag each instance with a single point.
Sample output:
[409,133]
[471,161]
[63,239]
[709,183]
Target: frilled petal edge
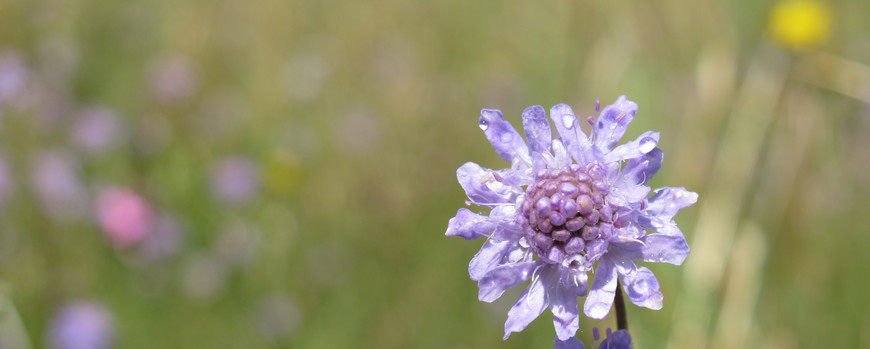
[469,225]
[566,315]
[505,140]
[603,291]
[642,288]
[482,187]
[531,304]
[667,201]
[491,255]
[612,123]
[657,248]
[503,277]
[537,129]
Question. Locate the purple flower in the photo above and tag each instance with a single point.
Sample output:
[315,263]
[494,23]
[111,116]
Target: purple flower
[615,340]
[235,180]
[173,79]
[55,180]
[563,205]
[14,76]
[96,131]
[82,325]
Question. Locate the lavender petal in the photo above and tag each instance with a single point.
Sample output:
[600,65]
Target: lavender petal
[508,144]
[642,288]
[490,256]
[537,129]
[612,123]
[531,304]
[469,225]
[501,278]
[603,291]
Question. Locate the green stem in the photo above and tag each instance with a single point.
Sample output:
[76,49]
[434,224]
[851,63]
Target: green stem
[619,303]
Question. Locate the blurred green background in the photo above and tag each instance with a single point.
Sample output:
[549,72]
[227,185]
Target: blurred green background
[281,173]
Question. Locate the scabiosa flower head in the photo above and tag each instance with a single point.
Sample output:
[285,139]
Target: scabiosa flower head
[82,325]
[567,206]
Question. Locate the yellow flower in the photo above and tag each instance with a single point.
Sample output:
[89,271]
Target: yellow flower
[800,24]
[283,172]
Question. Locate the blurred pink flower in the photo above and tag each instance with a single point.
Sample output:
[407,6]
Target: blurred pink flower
[125,217]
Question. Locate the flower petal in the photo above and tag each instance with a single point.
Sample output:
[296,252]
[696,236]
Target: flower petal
[668,201]
[642,288]
[501,278]
[566,315]
[625,192]
[612,123]
[561,159]
[531,304]
[469,225]
[644,144]
[600,298]
[575,140]
[659,248]
[491,255]
[640,169]
[482,187]
[570,343]
[508,144]
[537,129]
[573,276]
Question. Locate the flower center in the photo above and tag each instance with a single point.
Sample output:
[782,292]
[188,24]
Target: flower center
[567,215]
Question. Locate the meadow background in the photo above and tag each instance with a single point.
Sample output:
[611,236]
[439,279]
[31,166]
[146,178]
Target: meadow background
[279,174]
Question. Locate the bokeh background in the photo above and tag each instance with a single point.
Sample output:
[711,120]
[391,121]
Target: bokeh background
[279,174]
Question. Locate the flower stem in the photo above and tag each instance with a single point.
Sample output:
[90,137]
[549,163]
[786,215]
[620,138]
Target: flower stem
[619,303]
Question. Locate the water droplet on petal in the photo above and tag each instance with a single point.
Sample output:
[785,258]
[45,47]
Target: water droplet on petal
[568,120]
[647,144]
[483,124]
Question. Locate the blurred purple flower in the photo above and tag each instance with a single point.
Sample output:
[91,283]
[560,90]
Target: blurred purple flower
[235,180]
[56,183]
[13,77]
[563,205]
[124,216]
[163,241]
[82,325]
[173,79]
[96,131]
